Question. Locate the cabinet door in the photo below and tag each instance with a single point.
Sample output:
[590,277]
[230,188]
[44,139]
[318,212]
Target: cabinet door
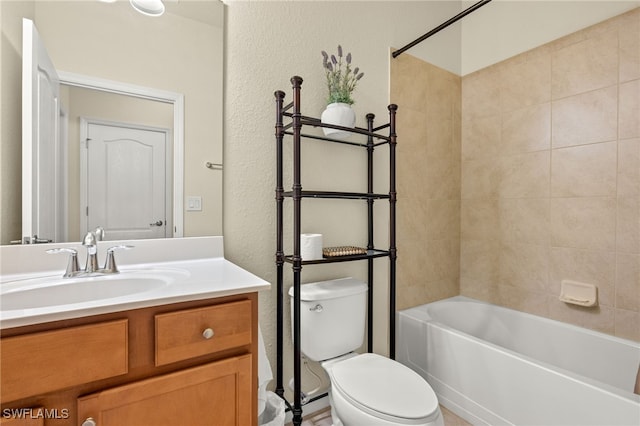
[216,394]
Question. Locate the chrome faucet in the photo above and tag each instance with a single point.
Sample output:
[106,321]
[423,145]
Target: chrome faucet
[90,241]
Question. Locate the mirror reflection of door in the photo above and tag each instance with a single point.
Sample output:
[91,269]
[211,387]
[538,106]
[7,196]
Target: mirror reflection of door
[44,181]
[124,174]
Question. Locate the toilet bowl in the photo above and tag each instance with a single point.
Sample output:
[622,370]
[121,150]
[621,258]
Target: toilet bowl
[366,389]
[372,390]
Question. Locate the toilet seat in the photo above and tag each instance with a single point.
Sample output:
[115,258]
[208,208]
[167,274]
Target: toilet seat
[384,388]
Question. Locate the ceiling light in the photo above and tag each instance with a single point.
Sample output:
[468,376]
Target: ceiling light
[148,7]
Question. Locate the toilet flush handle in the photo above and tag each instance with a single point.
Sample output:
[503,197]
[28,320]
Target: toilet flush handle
[317,308]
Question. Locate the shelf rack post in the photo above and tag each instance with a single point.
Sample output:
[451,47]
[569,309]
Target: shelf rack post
[370,243]
[392,230]
[297,259]
[279,243]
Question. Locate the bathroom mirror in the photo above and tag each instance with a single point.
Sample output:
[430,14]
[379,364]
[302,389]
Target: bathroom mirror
[178,55]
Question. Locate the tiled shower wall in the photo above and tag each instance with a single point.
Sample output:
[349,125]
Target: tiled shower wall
[428,181]
[550,183]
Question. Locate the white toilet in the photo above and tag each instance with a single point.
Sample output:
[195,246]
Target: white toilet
[366,389]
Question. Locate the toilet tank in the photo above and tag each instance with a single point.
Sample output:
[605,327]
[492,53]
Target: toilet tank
[332,317]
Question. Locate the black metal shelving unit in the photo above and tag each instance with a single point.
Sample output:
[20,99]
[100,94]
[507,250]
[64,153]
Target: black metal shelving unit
[291,112]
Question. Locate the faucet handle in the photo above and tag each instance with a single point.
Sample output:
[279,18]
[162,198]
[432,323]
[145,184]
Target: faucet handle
[72,267]
[110,264]
[99,233]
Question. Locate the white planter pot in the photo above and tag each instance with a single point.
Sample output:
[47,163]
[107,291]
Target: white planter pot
[340,114]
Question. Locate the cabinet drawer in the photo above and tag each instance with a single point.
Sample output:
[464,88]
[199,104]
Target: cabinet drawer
[43,362]
[194,332]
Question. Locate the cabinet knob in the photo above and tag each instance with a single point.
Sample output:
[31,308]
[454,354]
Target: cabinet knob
[207,333]
[89,422]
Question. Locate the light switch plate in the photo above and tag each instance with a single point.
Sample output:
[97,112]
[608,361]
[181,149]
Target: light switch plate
[194,204]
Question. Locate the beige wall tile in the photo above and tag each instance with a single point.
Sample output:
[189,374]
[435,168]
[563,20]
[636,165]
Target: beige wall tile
[411,153]
[411,212]
[627,324]
[584,66]
[526,79]
[476,289]
[628,225]
[407,87]
[524,220]
[481,137]
[525,175]
[588,266]
[479,219]
[587,170]
[443,99]
[600,318]
[629,36]
[526,129]
[629,117]
[441,258]
[443,219]
[628,282]
[442,179]
[428,180]
[629,168]
[524,266]
[439,139]
[522,299]
[481,93]
[586,118]
[583,223]
[531,217]
[479,263]
[481,178]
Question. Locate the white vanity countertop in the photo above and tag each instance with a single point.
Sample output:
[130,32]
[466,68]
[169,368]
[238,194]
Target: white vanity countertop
[203,274]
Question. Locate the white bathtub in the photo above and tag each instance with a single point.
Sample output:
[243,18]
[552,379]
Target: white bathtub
[492,365]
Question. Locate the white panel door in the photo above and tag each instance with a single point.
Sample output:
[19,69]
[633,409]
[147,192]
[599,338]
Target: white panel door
[126,178]
[42,176]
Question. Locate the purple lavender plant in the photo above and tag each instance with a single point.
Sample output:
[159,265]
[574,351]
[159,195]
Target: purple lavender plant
[341,79]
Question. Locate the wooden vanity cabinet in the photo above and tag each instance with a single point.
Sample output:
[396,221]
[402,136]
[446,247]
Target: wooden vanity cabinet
[191,363]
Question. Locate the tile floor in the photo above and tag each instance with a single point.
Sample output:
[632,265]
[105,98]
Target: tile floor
[323,418]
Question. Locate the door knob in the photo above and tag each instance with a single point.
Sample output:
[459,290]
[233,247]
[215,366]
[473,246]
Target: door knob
[158,223]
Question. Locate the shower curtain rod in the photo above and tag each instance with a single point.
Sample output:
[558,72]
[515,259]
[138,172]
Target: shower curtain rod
[441,27]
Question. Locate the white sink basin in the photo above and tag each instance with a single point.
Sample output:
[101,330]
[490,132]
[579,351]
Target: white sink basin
[55,291]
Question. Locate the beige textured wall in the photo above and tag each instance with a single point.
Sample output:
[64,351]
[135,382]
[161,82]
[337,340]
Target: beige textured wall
[428,180]
[551,177]
[268,43]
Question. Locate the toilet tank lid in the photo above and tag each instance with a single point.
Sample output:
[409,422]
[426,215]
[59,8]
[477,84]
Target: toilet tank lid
[331,289]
